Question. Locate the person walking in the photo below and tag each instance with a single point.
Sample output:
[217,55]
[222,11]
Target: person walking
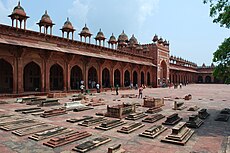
[98,87]
[82,88]
[117,87]
[140,92]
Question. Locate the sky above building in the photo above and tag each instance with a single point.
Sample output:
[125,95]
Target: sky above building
[185,24]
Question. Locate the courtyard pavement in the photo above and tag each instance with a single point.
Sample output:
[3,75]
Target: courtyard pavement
[212,137]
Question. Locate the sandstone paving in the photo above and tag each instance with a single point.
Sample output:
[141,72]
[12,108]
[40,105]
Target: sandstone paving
[211,137]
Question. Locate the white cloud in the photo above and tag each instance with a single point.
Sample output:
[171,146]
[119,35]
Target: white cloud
[146,8]
[79,10]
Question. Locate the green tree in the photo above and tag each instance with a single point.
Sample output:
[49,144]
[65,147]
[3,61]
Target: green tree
[220,11]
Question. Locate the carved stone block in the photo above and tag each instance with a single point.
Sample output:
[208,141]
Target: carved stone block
[74,120]
[153,131]
[53,112]
[172,119]
[116,149]
[130,127]
[136,116]
[91,144]
[154,110]
[92,121]
[180,134]
[179,105]
[222,117]
[153,118]
[203,114]
[110,124]
[193,108]
[194,121]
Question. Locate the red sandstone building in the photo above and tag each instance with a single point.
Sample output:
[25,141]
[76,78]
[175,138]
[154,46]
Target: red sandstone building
[38,61]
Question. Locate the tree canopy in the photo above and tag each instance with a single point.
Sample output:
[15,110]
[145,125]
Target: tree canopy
[220,11]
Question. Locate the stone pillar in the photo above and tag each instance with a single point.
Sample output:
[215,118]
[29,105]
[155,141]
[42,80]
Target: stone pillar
[15,76]
[122,77]
[47,76]
[20,76]
[43,76]
[112,77]
[100,75]
[86,75]
[68,71]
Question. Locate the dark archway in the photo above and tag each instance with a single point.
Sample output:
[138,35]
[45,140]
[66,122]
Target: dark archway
[135,78]
[56,77]
[76,77]
[117,78]
[127,78]
[32,77]
[142,78]
[163,72]
[92,78]
[105,78]
[208,79]
[200,79]
[6,77]
[148,79]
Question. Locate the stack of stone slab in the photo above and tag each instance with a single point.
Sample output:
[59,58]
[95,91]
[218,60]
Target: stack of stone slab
[56,95]
[50,133]
[91,144]
[120,111]
[110,124]
[128,96]
[33,129]
[53,112]
[224,115]
[72,105]
[25,99]
[188,97]
[29,110]
[92,121]
[49,102]
[203,114]
[154,110]
[153,102]
[116,149]
[179,105]
[19,124]
[130,127]
[153,131]
[67,138]
[193,108]
[36,101]
[153,118]
[180,134]
[96,102]
[136,116]
[194,121]
[79,109]
[74,120]
[172,119]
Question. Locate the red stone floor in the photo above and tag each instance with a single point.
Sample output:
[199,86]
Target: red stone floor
[211,137]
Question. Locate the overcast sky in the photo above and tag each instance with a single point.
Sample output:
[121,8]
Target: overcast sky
[186,24]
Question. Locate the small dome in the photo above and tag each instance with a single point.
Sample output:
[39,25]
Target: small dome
[165,43]
[160,41]
[112,39]
[123,37]
[85,31]
[155,38]
[46,18]
[100,35]
[68,25]
[133,41]
[19,10]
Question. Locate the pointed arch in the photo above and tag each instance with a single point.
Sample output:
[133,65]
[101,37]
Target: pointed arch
[135,78]
[92,77]
[76,77]
[148,79]
[127,78]
[105,78]
[6,77]
[56,77]
[117,78]
[32,77]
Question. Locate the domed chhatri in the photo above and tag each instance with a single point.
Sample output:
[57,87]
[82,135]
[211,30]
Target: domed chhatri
[160,41]
[133,42]
[122,39]
[139,47]
[100,37]
[19,15]
[85,33]
[68,28]
[45,22]
[112,40]
[155,38]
